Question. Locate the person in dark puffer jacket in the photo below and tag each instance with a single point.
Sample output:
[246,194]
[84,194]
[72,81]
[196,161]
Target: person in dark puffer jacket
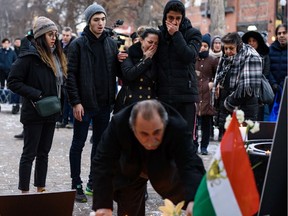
[178,49]
[278,59]
[37,73]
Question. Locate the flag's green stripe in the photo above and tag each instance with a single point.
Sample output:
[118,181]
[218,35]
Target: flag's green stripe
[202,202]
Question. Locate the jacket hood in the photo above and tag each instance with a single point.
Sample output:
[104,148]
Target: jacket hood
[167,8]
[262,49]
[27,47]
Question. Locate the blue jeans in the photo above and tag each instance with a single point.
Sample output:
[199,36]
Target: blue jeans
[100,120]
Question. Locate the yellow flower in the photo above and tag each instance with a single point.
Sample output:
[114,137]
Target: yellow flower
[169,209]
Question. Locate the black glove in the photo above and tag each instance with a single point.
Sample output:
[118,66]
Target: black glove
[275,87]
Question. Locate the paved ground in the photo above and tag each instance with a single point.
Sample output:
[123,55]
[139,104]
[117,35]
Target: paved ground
[58,178]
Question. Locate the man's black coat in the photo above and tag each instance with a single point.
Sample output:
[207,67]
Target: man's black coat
[120,158]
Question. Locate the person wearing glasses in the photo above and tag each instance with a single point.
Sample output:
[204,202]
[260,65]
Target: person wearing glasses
[238,79]
[36,74]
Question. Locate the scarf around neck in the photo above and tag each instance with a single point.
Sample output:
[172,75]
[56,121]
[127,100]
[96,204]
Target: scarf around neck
[245,70]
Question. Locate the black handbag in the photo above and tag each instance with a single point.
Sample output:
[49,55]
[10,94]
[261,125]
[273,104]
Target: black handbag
[266,95]
[48,106]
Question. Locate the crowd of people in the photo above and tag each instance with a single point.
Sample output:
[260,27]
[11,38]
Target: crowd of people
[174,81]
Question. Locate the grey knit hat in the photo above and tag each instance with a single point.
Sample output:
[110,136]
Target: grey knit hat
[43,25]
[93,9]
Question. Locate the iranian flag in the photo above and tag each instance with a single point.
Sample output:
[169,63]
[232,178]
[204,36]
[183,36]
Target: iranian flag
[229,187]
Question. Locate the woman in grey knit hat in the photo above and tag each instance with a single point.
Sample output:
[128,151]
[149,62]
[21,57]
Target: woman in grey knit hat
[37,73]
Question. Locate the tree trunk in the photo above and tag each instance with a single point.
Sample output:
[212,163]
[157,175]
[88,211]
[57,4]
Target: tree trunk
[217,12]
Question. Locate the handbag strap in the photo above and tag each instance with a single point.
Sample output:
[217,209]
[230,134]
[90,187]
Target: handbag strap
[58,86]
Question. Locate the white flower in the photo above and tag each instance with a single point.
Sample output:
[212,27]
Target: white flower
[255,128]
[227,122]
[249,123]
[251,126]
[240,116]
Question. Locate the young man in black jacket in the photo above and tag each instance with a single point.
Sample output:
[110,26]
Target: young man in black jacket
[91,83]
[178,48]
[147,140]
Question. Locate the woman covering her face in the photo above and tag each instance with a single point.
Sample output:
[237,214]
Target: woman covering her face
[138,71]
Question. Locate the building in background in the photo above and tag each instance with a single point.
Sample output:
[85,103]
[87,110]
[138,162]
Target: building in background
[260,15]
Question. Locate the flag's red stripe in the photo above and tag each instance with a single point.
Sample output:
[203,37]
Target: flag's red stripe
[238,168]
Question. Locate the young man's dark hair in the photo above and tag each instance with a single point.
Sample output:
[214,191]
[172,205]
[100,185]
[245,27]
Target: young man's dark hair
[5,39]
[178,49]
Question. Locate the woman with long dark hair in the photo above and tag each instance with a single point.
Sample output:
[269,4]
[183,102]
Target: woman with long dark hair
[37,73]
[138,71]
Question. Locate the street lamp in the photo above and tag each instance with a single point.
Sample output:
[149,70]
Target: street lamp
[283,4]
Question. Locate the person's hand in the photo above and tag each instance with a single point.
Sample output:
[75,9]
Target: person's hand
[150,52]
[171,28]
[189,208]
[78,112]
[103,212]
[210,85]
[122,56]
[275,87]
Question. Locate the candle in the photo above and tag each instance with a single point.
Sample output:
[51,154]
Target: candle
[243,131]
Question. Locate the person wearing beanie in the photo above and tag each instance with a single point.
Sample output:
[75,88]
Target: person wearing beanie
[256,40]
[93,9]
[206,66]
[37,73]
[216,47]
[43,25]
[91,86]
[178,49]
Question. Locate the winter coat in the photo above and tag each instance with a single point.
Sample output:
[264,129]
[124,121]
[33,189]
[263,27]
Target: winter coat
[7,57]
[278,64]
[81,78]
[66,48]
[205,70]
[31,78]
[244,69]
[138,78]
[176,77]
[120,158]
